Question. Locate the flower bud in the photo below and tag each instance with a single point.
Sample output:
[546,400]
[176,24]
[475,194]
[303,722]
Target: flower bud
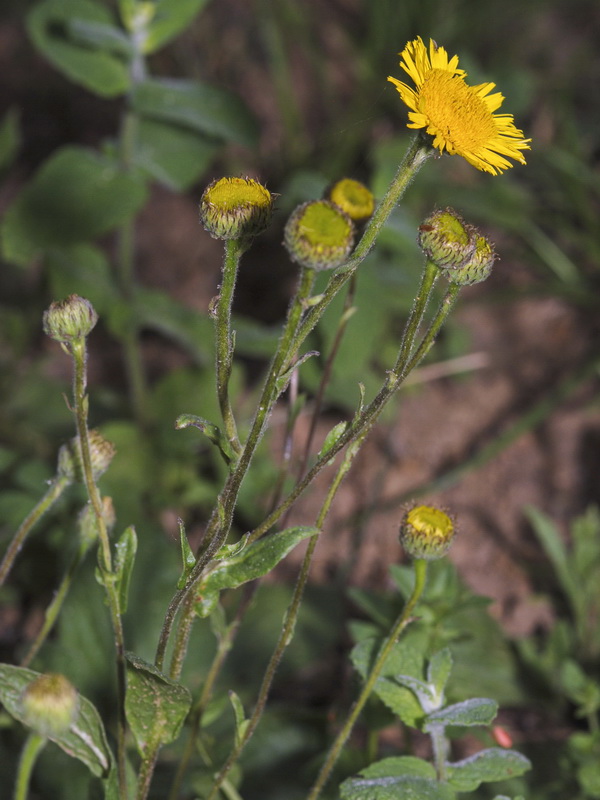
[50,704]
[70,461]
[446,239]
[353,198]
[319,235]
[235,208]
[426,532]
[478,267]
[68,320]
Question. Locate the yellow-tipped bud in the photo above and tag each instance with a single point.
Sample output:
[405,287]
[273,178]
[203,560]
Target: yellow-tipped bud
[446,239]
[70,462]
[236,208]
[50,704]
[353,198]
[319,235]
[426,532]
[68,320]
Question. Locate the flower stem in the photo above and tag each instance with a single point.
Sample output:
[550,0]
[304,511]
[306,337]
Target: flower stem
[78,352]
[287,631]
[420,566]
[57,487]
[224,337]
[219,524]
[33,746]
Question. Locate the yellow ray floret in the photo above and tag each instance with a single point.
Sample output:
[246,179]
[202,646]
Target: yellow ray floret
[460,117]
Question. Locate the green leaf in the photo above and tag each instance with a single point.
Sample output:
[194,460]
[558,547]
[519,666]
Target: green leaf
[85,739]
[204,109]
[332,437]
[76,195]
[494,764]
[10,138]
[241,723]
[156,707]
[403,777]
[126,549]
[407,658]
[253,562]
[79,38]
[170,18]
[439,669]
[476,711]
[210,430]
[172,155]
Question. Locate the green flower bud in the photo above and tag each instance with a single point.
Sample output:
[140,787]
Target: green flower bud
[235,208]
[446,239]
[353,198]
[426,532]
[319,235]
[478,267]
[68,320]
[70,461]
[50,704]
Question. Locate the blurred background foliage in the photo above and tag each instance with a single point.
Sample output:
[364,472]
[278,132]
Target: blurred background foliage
[293,92]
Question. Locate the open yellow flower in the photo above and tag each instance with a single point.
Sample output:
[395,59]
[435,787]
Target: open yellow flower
[460,117]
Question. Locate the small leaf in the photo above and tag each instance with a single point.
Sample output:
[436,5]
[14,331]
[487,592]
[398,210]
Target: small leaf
[126,549]
[75,195]
[253,562]
[494,764]
[332,438]
[476,711]
[85,739]
[187,556]
[56,28]
[241,723]
[156,707]
[210,430]
[439,669]
[203,109]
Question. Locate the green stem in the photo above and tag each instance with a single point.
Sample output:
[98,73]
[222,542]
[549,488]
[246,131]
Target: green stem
[416,155]
[34,745]
[57,487]
[287,631]
[78,352]
[224,337]
[403,620]
[223,648]
[220,522]
[364,421]
[439,745]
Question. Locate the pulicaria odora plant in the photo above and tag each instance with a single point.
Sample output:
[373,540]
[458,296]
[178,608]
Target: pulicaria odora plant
[450,117]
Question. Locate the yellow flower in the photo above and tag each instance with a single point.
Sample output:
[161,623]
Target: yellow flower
[460,117]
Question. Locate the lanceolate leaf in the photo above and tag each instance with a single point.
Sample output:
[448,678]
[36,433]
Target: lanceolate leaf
[85,738]
[156,706]
[253,562]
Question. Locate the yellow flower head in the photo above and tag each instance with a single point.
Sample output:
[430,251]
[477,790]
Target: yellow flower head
[460,117]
